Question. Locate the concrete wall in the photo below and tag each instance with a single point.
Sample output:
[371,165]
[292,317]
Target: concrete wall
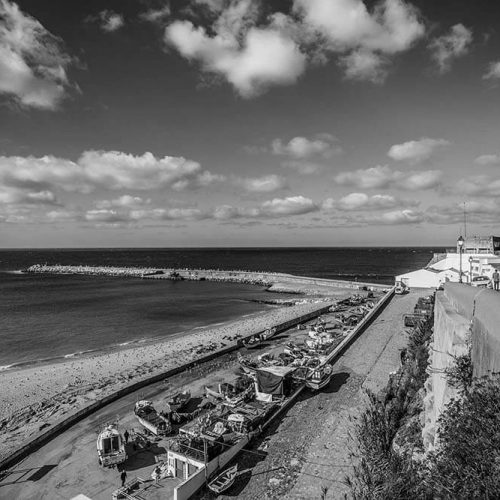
[461,313]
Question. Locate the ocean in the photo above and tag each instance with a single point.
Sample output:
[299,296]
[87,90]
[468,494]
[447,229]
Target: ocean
[45,317]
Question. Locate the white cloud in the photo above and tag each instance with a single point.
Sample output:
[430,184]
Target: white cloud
[480,185]
[362,201]
[277,207]
[416,151]
[363,37]
[250,58]
[30,179]
[293,205]
[108,20]
[493,72]
[157,15]
[32,61]
[117,170]
[325,145]
[448,47]
[12,195]
[365,65]
[406,216]
[125,200]
[105,215]
[384,177]
[265,184]
[485,160]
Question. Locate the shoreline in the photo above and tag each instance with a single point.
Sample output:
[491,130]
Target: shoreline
[39,396]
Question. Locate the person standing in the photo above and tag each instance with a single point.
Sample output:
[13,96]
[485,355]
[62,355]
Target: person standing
[126,436]
[496,280]
[123,477]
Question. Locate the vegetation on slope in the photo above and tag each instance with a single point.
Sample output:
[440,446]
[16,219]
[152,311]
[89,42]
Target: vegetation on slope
[389,456]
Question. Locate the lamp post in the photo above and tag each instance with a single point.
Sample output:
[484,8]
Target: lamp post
[460,244]
[470,270]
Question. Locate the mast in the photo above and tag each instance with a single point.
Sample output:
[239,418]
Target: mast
[465,223]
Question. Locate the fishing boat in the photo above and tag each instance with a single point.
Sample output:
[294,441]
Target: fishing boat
[253,342]
[224,480]
[110,447]
[150,419]
[319,377]
[178,401]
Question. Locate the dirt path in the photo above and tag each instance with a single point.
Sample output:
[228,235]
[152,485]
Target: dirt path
[310,448]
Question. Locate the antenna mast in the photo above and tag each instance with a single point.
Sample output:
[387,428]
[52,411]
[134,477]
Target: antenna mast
[465,222]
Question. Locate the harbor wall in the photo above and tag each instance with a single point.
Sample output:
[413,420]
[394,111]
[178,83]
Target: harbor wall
[236,276]
[465,318]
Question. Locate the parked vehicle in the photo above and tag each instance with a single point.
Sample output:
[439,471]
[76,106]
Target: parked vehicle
[480,281]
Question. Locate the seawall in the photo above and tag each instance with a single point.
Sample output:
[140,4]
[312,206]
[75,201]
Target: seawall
[278,281]
[464,317]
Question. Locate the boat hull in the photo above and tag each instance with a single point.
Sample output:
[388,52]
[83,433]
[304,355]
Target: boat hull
[317,385]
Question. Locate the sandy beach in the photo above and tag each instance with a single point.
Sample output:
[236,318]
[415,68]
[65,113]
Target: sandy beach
[35,397]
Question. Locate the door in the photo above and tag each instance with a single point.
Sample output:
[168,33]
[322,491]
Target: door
[180,467]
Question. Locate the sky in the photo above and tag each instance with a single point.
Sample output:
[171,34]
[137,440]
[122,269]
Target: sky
[210,123]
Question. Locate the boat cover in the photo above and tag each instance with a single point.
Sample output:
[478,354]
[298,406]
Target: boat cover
[270,379]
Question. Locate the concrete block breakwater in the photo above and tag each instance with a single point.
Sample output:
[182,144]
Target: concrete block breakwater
[267,279]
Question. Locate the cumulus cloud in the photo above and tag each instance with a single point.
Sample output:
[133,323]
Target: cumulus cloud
[364,38]
[365,65]
[33,61]
[277,207]
[108,20]
[362,201]
[384,177]
[416,151]
[30,179]
[485,160]
[493,72]
[324,145]
[125,200]
[253,51]
[265,184]
[448,47]
[250,58]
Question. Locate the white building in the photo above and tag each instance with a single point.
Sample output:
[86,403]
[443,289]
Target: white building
[447,269]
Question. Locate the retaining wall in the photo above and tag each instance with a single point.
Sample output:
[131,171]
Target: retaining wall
[462,315]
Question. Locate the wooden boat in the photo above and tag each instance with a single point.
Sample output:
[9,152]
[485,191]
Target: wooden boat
[110,447]
[178,401]
[224,480]
[319,377]
[253,342]
[150,419]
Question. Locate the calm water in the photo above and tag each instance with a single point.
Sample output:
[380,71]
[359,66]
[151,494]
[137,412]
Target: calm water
[44,316]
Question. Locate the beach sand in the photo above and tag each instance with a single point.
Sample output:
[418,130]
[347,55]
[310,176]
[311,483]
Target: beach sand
[35,397]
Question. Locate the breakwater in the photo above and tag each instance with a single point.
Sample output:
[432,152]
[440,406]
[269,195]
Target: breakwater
[276,282]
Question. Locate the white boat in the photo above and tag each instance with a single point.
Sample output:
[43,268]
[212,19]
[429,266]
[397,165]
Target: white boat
[224,480]
[110,447]
[150,419]
[319,377]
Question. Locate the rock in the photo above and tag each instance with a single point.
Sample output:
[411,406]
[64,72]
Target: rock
[294,462]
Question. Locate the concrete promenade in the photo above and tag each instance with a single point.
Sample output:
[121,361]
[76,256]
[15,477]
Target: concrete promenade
[366,365]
